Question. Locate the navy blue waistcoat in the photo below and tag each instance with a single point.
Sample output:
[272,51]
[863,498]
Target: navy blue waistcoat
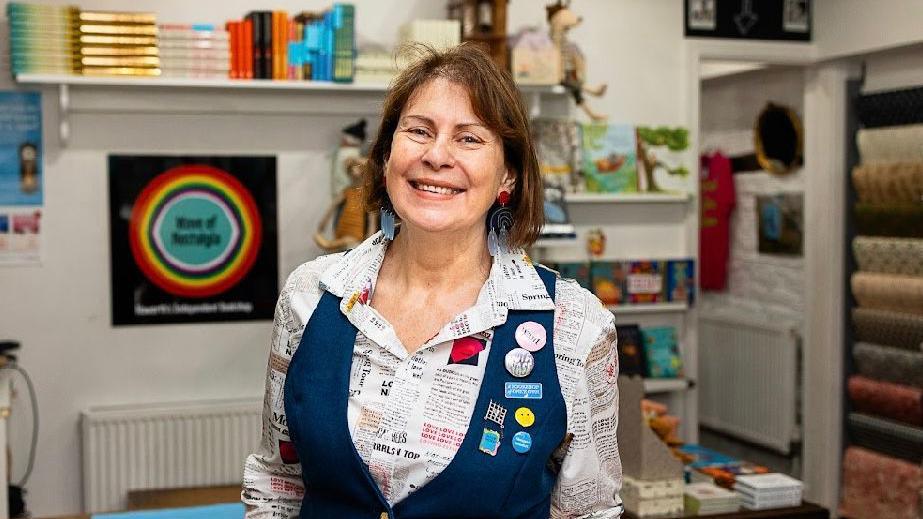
[474,485]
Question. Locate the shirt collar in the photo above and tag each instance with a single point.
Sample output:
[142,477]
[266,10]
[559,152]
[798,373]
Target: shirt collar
[513,283]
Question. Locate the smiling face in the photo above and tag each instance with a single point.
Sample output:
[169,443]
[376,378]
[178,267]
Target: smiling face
[446,168]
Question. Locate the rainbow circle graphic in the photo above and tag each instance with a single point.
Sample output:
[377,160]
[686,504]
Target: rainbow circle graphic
[195,231]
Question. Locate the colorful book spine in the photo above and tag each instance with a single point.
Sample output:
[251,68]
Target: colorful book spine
[344,43]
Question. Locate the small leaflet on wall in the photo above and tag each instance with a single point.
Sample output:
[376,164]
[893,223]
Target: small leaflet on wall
[193,239]
[21,172]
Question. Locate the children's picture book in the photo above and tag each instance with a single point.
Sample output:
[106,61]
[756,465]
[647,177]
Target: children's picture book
[557,219]
[609,280]
[556,145]
[661,155]
[680,281]
[645,282]
[609,157]
[578,271]
[631,350]
[662,352]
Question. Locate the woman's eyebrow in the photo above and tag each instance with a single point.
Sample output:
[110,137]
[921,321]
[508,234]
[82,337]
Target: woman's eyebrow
[428,121]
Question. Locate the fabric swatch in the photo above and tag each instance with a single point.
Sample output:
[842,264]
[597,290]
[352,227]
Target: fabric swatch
[886,436]
[889,364]
[884,399]
[899,220]
[891,108]
[876,486]
[901,256]
[888,292]
[890,144]
[883,182]
[884,327]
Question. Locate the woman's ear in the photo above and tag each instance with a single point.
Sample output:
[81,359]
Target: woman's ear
[509,181]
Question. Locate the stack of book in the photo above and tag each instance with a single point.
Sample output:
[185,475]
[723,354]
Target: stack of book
[194,51]
[652,498]
[761,491]
[707,499]
[440,34]
[375,66]
[113,43]
[42,38]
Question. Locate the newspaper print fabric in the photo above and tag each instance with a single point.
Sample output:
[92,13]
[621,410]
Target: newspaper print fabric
[891,144]
[900,330]
[888,292]
[902,256]
[889,182]
[409,413]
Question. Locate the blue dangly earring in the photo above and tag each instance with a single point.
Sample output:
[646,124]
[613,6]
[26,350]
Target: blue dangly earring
[499,223]
[386,220]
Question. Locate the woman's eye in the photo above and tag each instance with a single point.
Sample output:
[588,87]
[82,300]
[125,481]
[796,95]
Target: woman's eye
[470,139]
[419,131]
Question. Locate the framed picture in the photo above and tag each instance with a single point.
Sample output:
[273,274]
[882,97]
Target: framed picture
[193,238]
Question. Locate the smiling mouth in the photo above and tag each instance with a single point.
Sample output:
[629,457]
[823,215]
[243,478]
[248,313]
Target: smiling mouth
[439,190]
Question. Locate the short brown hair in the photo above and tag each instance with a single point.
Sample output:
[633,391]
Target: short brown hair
[495,100]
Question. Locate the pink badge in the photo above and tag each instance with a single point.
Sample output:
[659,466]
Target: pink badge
[531,336]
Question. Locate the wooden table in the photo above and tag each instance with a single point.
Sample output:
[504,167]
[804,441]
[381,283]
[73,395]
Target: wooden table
[805,511]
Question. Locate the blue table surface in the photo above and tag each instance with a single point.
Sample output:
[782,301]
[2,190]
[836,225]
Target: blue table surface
[223,511]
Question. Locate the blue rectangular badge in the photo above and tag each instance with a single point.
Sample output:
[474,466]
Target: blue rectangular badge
[529,390]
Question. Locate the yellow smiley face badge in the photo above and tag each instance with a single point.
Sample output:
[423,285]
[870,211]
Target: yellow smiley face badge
[525,417]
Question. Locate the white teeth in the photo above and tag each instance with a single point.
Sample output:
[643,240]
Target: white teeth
[437,189]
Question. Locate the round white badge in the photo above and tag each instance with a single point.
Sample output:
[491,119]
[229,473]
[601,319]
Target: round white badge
[531,336]
[519,362]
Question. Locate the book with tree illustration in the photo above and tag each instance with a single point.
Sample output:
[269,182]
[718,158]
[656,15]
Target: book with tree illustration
[661,165]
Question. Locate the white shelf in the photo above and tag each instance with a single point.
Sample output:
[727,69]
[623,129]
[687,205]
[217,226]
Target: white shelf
[184,96]
[627,198]
[180,82]
[665,385]
[652,308]
[545,243]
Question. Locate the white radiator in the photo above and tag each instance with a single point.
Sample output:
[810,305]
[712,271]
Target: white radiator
[164,446]
[748,381]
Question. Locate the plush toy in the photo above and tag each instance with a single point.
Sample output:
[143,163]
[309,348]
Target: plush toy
[573,65]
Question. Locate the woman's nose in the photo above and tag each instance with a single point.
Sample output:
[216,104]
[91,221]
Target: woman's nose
[439,154]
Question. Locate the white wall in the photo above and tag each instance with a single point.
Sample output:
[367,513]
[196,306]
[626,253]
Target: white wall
[729,107]
[849,27]
[894,69]
[60,310]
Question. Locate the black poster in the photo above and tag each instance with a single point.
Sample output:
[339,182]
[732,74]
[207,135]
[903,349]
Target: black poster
[193,238]
[786,20]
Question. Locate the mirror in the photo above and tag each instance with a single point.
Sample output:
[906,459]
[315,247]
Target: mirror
[779,139]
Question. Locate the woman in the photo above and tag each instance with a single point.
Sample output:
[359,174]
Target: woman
[433,371]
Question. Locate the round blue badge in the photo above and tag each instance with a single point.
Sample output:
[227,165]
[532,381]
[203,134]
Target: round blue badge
[522,442]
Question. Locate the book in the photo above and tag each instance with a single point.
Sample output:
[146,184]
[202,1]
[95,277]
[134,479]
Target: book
[707,498]
[680,281]
[609,280]
[661,152]
[631,350]
[661,352]
[557,218]
[609,157]
[578,271]
[344,43]
[644,282]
